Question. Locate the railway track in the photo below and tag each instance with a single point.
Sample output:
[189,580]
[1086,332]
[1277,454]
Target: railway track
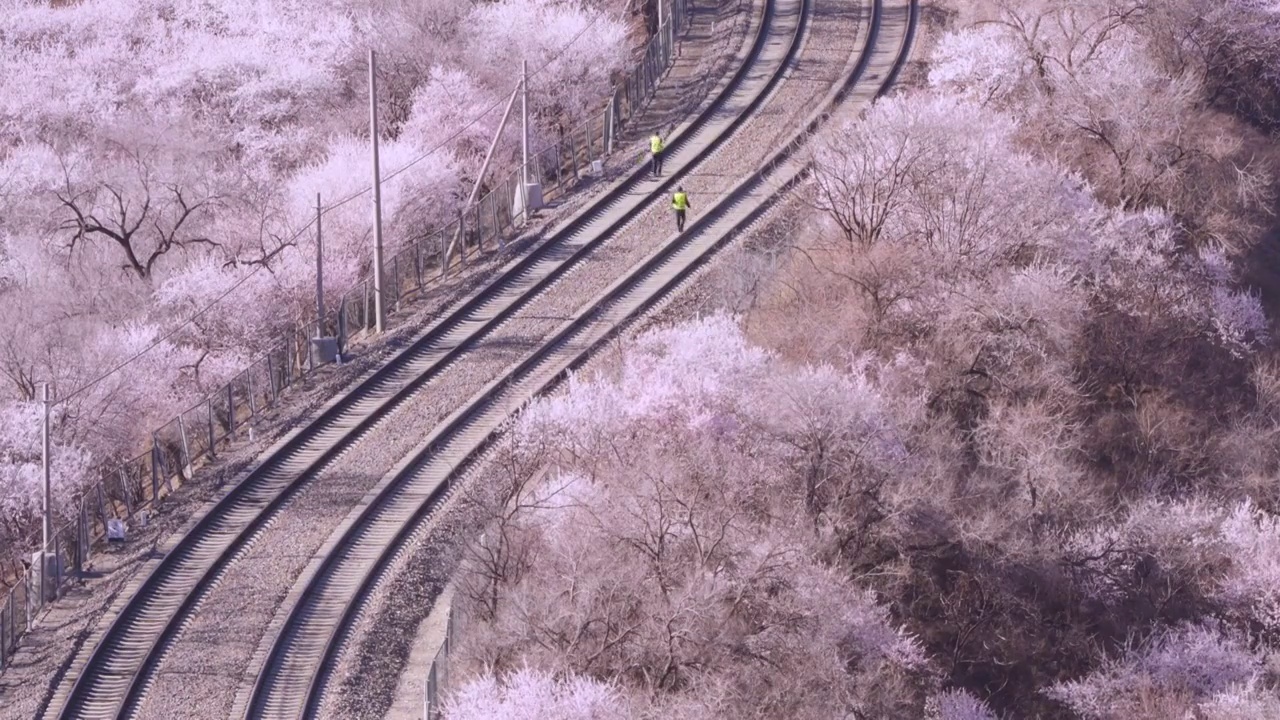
[115,677]
[327,598]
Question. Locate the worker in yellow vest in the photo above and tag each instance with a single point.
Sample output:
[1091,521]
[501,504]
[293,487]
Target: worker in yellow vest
[680,203]
[655,150]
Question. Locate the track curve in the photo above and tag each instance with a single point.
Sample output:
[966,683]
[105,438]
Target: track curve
[117,674]
[296,672]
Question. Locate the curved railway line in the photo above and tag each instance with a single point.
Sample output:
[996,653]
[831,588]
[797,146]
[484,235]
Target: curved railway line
[328,598]
[300,648]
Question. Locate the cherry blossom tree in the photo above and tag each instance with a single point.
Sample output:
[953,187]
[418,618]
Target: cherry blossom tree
[529,694]
[1046,358]
[1096,82]
[452,99]
[1168,675]
[669,556]
[1232,46]
[569,84]
[140,211]
[21,468]
[158,153]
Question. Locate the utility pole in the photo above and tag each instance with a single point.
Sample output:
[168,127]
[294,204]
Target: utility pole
[524,140]
[378,310]
[48,491]
[524,125]
[319,274]
[530,190]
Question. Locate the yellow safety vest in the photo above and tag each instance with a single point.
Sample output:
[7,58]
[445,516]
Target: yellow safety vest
[680,201]
[655,144]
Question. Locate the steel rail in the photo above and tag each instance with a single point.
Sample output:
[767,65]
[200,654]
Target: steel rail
[119,670]
[356,558]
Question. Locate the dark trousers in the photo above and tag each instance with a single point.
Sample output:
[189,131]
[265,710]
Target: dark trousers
[680,220]
[657,163]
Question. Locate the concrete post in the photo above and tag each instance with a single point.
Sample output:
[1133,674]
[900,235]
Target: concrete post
[379,311]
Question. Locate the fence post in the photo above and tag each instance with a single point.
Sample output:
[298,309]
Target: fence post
[164,463]
[186,449]
[82,539]
[573,158]
[634,92]
[395,278]
[497,225]
[231,407]
[306,343]
[646,73]
[4,635]
[253,402]
[433,691]
[212,435]
[13,614]
[559,166]
[286,364]
[155,471]
[647,64]
[271,379]
[342,323]
[462,238]
[441,252]
[102,506]
[124,493]
[52,592]
[615,115]
[13,618]
[366,305]
[668,36]
[610,120]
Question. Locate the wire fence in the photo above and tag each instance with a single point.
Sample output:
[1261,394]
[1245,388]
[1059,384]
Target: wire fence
[438,671]
[129,493]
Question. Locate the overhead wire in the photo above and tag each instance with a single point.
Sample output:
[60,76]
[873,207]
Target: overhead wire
[204,310]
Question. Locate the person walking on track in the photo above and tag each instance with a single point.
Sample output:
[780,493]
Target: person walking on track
[680,203]
[655,150]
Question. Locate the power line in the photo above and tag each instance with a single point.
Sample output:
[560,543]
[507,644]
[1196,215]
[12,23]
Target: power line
[201,312]
[498,103]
